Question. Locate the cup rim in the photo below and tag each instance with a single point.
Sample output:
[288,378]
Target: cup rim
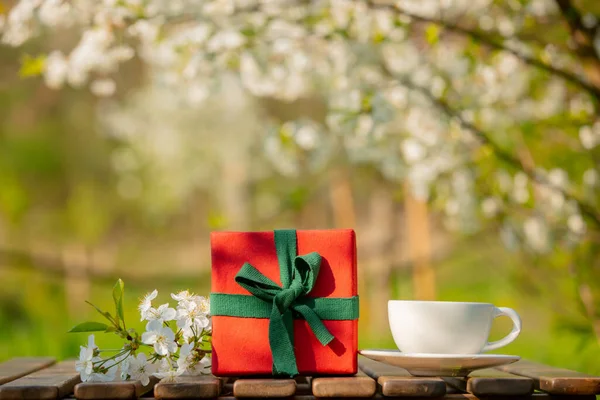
[438,302]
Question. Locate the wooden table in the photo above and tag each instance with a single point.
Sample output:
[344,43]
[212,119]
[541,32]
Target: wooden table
[44,378]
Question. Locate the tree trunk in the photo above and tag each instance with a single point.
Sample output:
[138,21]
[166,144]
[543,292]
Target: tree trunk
[419,241]
[344,216]
[379,259]
[342,200]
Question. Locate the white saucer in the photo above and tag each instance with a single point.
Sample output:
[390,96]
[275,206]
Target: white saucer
[422,364]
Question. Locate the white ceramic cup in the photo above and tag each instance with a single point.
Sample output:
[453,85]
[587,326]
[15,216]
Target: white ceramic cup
[447,327]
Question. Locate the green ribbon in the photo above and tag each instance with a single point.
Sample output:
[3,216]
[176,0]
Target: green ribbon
[282,304]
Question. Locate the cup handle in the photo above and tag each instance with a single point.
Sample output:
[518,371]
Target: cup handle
[516,330]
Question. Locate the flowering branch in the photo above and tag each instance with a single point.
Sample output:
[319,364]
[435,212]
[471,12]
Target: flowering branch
[171,351]
[586,209]
[493,44]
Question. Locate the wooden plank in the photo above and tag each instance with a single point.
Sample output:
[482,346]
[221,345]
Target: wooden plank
[534,396]
[264,387]
[300,397]
[112,390]
[395,381]
[21,366]
[464,396]
[553,380]
[491,382]
[51,383]
[188,387]
[359,385]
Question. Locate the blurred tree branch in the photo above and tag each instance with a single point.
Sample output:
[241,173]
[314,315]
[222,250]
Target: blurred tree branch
[583,40]
[487,40]
[502,154]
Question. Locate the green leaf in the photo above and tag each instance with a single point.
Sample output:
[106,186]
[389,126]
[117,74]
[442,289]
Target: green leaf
[32,66]
[432,33]
[110,329]
[89,327]
[118,290]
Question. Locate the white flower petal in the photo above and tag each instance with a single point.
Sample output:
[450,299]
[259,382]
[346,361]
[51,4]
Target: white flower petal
[161,348]
[169,314]
[149,337]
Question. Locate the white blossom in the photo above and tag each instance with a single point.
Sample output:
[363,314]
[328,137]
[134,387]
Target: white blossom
[225,40]
[161,337]
[589,139]
[185,357]
[189,364]
[56,70]
[146,303]
[138,368]
[161,314]
[103,87]
[184,295]
[169,375]
[413,150]
[87,358]
[576,224]
[193,316]
[145,30]
[558,177]
[108,375]
[55,13]
[536,233]
[490,206]
[167,371]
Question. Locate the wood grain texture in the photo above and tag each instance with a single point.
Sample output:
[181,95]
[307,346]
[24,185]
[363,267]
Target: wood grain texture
[491,382]
[189,387]
[360,385]
[54,382]
[112,390]
[379,396]
[264,387]
[395,381]
[534,396]
[298,397]
[553,380]
[21,366]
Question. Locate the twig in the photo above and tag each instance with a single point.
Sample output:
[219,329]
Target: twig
[574,18]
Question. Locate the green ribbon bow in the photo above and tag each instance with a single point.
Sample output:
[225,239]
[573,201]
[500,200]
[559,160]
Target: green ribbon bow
[281,304]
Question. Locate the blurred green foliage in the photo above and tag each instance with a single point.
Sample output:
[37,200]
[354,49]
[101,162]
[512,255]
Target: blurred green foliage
[35,318]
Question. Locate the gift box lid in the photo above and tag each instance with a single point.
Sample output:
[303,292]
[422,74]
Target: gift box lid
[337,247]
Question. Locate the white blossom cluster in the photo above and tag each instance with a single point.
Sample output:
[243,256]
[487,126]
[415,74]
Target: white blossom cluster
[383,87]
[178,340]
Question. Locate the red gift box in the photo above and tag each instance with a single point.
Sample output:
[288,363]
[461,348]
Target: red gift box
[240,345]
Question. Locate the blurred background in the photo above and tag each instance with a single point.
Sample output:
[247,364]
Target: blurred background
[458,138]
